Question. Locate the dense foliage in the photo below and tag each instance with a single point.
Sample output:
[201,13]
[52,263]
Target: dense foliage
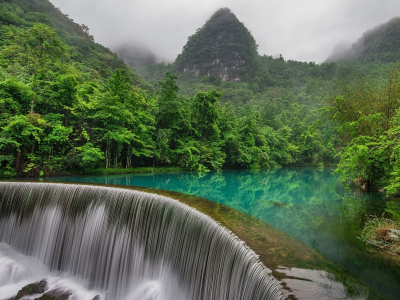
[366,111]
[50,70]
[358,95]
[68,104]
[53,119]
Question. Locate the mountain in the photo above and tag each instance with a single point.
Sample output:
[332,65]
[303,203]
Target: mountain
[22,14]
[223,54]
[379,44]
[222,48]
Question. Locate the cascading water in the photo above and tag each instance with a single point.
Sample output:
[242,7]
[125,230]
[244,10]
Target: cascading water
[121,244]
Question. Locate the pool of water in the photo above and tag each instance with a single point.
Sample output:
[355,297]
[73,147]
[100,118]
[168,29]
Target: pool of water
[309,205]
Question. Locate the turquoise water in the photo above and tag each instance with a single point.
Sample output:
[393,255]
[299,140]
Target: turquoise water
[308,204]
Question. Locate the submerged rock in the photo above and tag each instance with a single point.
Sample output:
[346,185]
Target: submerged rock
[32,289]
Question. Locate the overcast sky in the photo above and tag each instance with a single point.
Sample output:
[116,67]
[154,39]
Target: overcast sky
[304,30]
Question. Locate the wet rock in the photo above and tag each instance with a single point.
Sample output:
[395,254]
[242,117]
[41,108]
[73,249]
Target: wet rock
[96,297]
[31,289]
[56,294]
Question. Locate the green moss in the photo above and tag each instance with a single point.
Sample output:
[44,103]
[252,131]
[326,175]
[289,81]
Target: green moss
[31,289]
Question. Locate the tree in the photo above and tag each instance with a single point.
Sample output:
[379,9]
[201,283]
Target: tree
[168,113]
[124,120]
[205,114]
[364,107]
[37,49]
[20,136]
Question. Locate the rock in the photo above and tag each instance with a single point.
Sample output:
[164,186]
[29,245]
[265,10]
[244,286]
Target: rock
[393,234]
[96,297]
[31,289]
[56,294]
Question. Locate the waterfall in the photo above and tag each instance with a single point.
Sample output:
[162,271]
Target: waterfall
[125,244]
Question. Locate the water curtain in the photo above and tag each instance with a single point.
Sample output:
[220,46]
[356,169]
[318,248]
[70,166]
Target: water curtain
[130,244]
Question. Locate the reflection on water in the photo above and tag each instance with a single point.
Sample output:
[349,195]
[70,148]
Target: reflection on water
[310,205]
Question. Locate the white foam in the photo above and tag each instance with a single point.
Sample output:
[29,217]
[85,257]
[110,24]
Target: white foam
[127,245]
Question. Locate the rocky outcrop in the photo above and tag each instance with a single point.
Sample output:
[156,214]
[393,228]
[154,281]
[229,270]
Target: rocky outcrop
[31,289]
[40,288]
[222,48]
[56,294]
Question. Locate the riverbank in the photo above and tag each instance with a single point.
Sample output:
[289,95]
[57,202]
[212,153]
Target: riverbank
[300,271]
[140,170]
[306,203]
[99,171]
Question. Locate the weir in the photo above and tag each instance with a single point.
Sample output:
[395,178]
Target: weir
[122,244]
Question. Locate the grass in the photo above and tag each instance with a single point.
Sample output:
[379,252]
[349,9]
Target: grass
[104,171]
[382,233]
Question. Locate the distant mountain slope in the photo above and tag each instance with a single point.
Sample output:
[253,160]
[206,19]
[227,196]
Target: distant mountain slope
[379,44]
[87,55]
[222,48]
[24,13]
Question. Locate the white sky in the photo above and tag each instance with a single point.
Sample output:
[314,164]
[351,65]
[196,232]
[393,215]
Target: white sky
[304,30]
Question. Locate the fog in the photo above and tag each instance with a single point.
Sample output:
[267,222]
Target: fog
[306,30]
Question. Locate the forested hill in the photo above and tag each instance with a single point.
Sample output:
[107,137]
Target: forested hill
[223,48]
[87,55]
[223,52]
[68,104]
[61,112]
[284,99]
[379,44]
[22,14]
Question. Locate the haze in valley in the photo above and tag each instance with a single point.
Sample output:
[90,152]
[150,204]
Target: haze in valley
[306,30]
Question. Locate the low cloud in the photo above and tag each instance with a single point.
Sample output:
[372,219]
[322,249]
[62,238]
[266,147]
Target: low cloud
[305,30]
[136,54]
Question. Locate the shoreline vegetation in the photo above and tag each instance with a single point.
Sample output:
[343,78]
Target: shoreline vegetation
[150,170]
[136,170]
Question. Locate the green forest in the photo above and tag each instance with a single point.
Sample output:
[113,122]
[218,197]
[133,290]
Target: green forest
[68,105]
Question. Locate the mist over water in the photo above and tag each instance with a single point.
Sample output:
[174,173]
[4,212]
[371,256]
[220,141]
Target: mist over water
[18,270]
